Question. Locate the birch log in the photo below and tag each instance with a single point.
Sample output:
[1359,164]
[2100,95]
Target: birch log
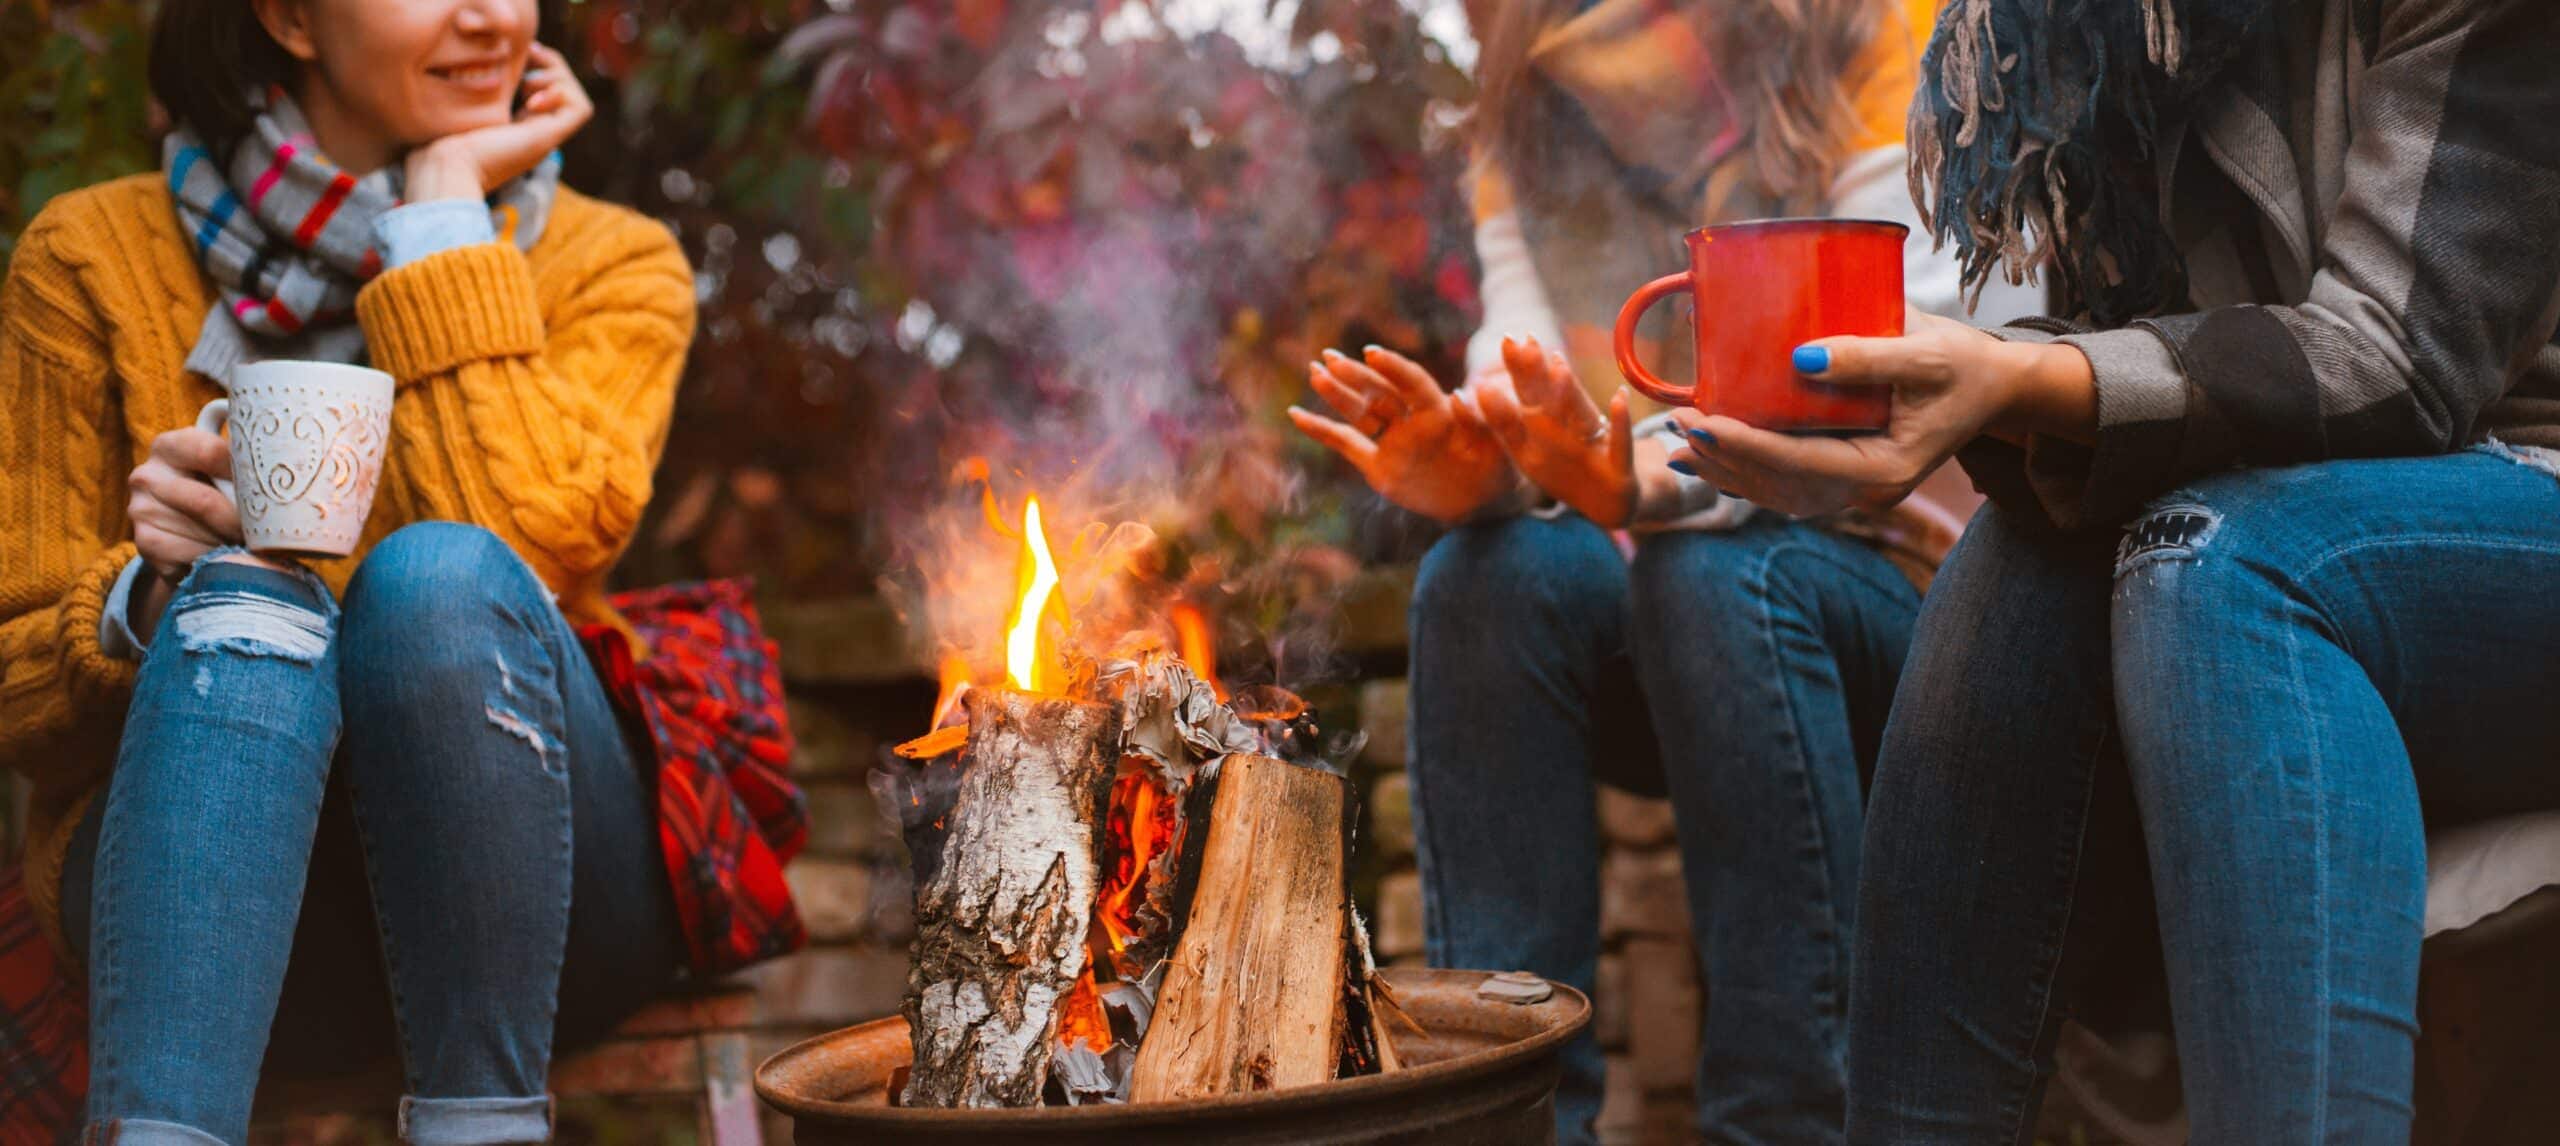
[1000,925]
[1253,999]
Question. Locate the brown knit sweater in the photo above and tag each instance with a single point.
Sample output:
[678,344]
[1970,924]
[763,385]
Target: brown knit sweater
[535,390]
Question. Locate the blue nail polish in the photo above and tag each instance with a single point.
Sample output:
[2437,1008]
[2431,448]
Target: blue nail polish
[1812,359]
[1682,468]
[1704,438]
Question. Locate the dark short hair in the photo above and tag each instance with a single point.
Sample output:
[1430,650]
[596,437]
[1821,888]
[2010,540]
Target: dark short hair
[206,57]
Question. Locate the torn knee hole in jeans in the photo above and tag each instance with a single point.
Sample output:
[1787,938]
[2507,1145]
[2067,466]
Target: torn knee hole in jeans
[250,624]
[2530,457]
[2167,533]
[503,715]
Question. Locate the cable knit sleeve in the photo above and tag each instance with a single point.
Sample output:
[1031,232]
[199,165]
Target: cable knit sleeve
[61,511]
[535,410]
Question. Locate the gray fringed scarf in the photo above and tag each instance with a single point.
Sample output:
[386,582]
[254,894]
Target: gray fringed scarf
[288,237]
[2036,120]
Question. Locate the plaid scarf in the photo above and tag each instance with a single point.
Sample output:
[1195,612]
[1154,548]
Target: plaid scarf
[2037,119]
[289,265]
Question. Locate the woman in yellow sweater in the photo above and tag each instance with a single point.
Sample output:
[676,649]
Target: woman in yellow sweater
[384,798]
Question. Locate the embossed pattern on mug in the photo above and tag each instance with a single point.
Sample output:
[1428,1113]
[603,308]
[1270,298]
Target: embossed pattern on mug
[313,448]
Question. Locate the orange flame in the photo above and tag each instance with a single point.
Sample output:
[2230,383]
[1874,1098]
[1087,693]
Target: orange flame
[1081,1018]
[955,684]
[1025,666]
[1143,822]
[1199,647]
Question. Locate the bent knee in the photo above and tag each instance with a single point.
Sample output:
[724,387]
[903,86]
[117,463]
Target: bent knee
[1712,569]
[1519,571]
[423,591]
[435,566]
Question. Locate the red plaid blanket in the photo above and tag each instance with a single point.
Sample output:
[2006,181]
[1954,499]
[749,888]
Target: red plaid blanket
[710,695]
[729,816]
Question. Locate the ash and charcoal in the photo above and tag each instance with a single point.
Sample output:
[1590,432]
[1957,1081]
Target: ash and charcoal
[917,796]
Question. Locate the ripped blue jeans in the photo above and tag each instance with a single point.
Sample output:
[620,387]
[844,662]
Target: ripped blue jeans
[354,829]
[2237,721]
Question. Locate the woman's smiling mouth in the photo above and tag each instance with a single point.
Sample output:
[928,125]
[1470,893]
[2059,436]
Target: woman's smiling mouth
[486,78]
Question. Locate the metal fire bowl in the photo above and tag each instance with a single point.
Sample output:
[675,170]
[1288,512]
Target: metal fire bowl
[1482,1070]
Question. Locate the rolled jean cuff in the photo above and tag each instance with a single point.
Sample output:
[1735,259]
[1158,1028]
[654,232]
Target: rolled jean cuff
[474,1121]
[145,1132]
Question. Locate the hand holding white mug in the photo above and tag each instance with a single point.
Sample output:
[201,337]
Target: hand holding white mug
[178,514]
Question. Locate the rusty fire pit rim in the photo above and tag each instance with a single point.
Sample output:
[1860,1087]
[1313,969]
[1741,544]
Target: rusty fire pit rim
[1481,1063]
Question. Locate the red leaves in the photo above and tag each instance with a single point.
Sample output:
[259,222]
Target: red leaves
[1017,220]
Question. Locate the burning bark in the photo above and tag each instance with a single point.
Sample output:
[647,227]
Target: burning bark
[1253,999]
[1001,921]
[1129,884]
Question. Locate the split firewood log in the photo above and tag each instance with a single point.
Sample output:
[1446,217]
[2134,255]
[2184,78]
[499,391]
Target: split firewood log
[1253,998]
[1001,922]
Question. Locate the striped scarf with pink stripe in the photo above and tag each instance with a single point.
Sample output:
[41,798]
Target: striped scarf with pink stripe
[288,238]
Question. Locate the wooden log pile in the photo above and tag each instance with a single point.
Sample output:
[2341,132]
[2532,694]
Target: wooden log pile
[1133,896]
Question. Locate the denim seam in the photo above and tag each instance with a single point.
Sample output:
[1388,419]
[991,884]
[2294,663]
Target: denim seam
[1435,928]
[105,958]
[2298,581]
[382,934]
[1892,587]
[2052,952]
[1802,773]
[567,835]
[2320,1055]
[2449,539]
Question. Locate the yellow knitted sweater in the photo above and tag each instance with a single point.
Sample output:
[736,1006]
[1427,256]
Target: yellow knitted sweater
[535,390]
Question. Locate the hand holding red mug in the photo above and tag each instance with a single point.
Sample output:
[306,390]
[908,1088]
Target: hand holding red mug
[1760,289]
[1948,382]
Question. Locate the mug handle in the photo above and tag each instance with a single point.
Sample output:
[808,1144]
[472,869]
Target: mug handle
[1625,340]
[214,418]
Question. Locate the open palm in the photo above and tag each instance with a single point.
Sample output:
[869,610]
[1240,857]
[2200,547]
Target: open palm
[1404,434]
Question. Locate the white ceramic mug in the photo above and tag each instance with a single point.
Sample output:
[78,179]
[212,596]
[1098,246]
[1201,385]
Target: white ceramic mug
[307,442]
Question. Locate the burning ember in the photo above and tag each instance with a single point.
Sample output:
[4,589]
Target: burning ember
[1166,726]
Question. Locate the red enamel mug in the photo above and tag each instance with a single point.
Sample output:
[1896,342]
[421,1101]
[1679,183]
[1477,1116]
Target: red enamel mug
[1763,288]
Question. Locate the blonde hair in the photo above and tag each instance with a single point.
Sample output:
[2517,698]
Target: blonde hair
[1785,63]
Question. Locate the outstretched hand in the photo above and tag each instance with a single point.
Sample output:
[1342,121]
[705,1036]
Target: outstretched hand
[1404,434]
[1537,409]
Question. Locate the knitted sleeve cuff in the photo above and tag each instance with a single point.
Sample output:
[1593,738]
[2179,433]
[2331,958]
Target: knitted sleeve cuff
[456,306]
[94,675]
[2142,410]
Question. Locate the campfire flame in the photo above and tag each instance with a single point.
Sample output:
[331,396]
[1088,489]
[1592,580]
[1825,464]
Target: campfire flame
[1199,645]
[1081,1018]
[955,685]
[1025,665]
[1144,822]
